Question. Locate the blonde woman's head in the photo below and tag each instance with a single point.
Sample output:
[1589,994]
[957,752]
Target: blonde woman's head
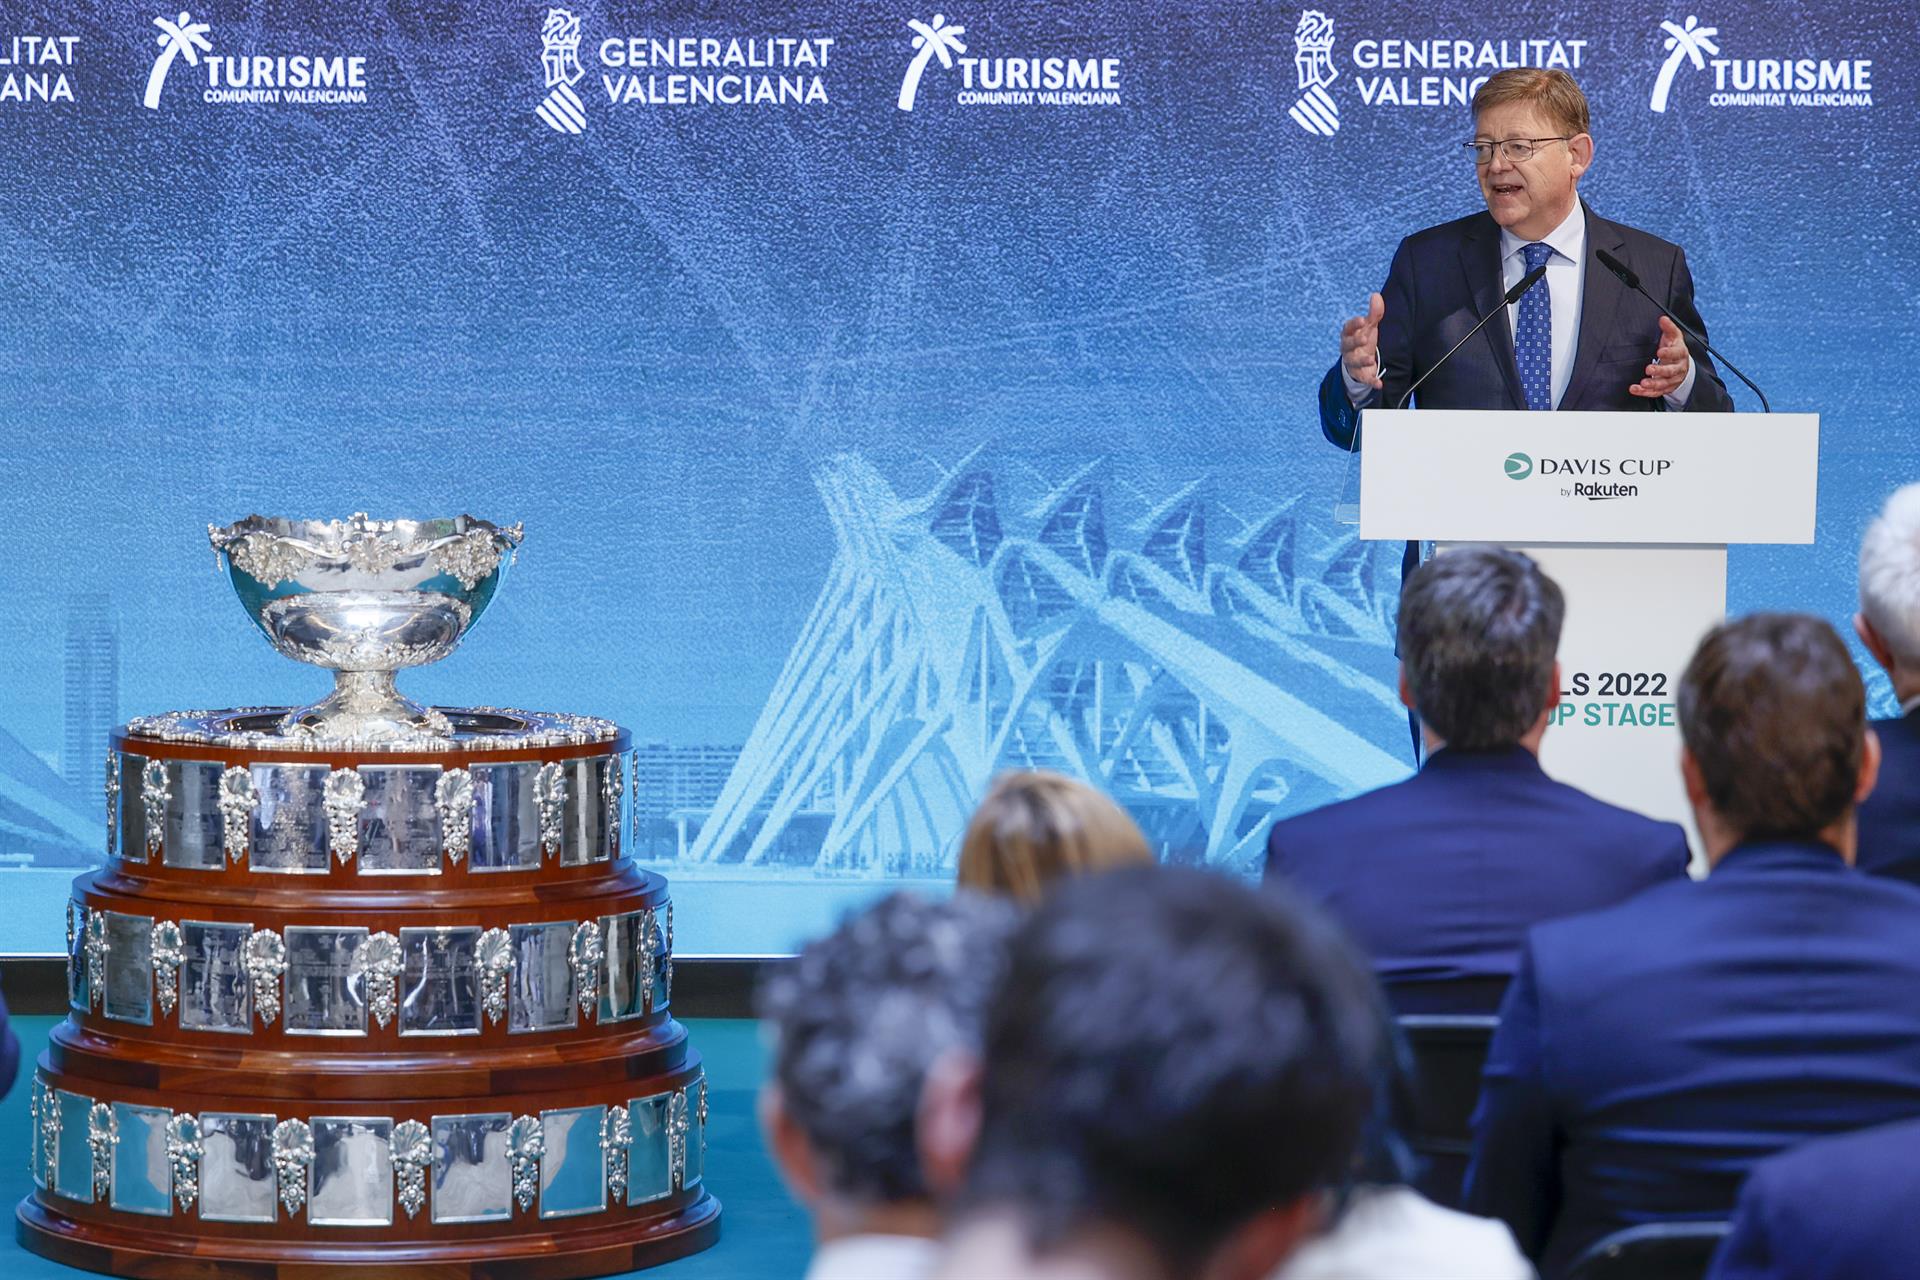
[1035,828]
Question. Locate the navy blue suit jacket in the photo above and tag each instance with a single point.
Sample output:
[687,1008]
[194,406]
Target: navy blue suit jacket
[1890,818]
[1440,877]
[1836,1209]
[1444,279]
[1651,1054]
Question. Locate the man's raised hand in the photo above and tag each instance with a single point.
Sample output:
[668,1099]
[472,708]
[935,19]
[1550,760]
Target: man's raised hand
[1669,367]
[1360,344]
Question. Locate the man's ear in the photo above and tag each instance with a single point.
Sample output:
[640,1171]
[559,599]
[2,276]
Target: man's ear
[1696,783]
[1869,767]
[1406,690]
[792,1154]
[948,1126]
[1258,1247]
[1876,643]
[1580,153]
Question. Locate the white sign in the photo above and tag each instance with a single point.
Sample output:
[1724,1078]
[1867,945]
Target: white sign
[1632,478]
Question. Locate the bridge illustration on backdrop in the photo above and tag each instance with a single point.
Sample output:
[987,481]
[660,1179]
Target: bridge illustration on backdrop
[951,643]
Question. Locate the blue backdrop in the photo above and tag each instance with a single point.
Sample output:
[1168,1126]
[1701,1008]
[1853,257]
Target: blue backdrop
[863,451]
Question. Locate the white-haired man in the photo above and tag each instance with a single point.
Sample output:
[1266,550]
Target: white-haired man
[1889,625]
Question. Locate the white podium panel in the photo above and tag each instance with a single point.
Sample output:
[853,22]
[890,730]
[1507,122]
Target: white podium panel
[1458,475]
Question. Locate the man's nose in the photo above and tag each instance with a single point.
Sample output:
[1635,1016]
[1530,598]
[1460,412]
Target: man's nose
[1499,163]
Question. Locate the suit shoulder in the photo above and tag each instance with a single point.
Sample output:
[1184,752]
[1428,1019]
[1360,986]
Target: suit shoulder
[1642,242]
[1305,829]
[1611,930]
[1446,234]
[1618,822]
[1845,1160]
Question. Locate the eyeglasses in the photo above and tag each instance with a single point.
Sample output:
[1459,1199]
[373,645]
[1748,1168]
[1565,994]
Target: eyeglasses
[1512,150]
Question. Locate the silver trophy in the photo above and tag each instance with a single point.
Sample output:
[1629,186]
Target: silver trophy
[365,598]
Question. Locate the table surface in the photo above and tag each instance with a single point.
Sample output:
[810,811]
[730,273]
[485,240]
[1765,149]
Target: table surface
[763,1233]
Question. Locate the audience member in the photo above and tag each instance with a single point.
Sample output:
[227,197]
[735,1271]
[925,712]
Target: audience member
[1176,1070]
[1832,1209]
[856,1020]
[1650,1054]
[1439,877]
[1035,827]
[1889,625]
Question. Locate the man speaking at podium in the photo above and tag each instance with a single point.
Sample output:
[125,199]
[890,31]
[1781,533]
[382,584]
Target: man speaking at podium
[1578,339]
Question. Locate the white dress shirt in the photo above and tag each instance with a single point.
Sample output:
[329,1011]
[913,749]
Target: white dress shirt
[874,1258]
[1566,285]
[1395,1233]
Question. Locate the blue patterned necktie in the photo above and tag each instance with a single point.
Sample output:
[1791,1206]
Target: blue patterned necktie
[1533,339]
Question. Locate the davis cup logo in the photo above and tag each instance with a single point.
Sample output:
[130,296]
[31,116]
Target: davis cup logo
[1519,466]
[561,109]
[930,39]
[180,36]
[1314,110]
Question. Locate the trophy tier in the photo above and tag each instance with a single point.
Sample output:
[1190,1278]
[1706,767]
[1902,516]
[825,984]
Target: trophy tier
[368,1010]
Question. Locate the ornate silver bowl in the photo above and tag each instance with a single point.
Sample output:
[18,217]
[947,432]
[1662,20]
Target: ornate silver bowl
[365,598]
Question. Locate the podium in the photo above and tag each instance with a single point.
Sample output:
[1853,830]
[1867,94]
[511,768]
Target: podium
[1632,514]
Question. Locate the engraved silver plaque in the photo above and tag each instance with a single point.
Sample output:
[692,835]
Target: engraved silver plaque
[352,1174]
[325,993]
[472,1174]
[585,838]
[214,988]
[196,833]
[133,814]
[506,823]
[572,1173]
[399,823]
[237,1181]
[142,1174]
[72,1153]
[542,986]
[290,822]
[439,982]
[621,995]
[649,1163]
[129,995]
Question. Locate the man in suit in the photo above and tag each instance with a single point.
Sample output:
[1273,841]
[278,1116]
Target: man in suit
[1889,625]
[856,1021]
[1580,339]
[1650,1054]
[1440,876]
[1177,1069]
[1833,1209]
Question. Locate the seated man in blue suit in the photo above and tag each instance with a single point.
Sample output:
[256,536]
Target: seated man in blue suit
[1834,1209]
[1650,1054]
[1580,339]
[1440,876]
[1889,625]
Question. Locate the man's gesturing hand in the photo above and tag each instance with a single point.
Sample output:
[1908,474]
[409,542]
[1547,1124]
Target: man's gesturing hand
[1669,367]
[1360,343]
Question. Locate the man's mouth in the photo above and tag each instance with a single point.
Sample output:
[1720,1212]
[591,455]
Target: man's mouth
[1505,188]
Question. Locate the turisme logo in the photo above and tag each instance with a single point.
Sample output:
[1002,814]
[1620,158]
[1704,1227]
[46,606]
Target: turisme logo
[1759,82]
[1315,110]
[1019,81]
[1519,466]
[252,78]
[929,39]
[561,109]
[182,35]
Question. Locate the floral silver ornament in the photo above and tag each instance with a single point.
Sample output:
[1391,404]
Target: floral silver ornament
[292,1154]
[103,1130]
[610,792]
[649,938]
[700,1113]
[238,800]
[411,1147]
[550,798]
[76,925]
[39,1088]
[96,949]
[677,1137]
[265,958]
[50,1125]
[585,955]
[169,953]
[453,798]
[154,795]
[468,558]
[345,792]
[268,559]
[377,964]
[495,957]
[370,548]
[113,802]
[526,1143]
[183,1155]
[616,1138]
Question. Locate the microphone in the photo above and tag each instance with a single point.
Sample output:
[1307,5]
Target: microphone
[1513,295]
[1631,279]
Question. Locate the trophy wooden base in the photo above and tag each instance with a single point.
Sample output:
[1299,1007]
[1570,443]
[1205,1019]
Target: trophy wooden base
[124,1250]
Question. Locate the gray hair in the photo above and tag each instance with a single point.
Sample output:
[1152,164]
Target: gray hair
[1890,574]
[1479,627]
[858,1018]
